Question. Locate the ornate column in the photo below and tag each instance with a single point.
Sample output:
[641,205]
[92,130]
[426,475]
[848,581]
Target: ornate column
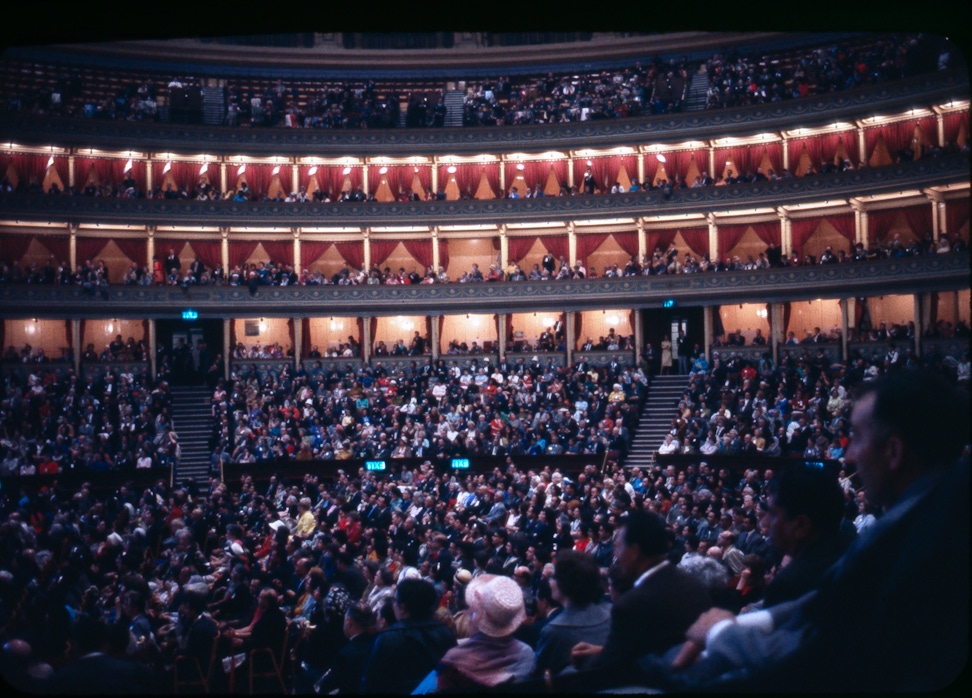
[641,170]
[861,142]
[712,167]
[776,329]
[938,214]
[435,249]
[502,177]
[148,174]
[642,240]
[223,181]
[569,336]
[714,250]
[71,176]
[78,349]
[73,245]
[298,340]
[786,152]
[297,259]
[435,338]
[295,177]
[504,248]
[571,244]
[707,311]
[150,245]
[435,177]
[366,339]
[501,335]
[570,171]
[940,127]
[364,179]
[224,248]
[367,249]
[786,234]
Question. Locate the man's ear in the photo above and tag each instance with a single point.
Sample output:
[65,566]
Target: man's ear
[895,452]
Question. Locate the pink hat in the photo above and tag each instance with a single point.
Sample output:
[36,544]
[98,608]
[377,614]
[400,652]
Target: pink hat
[496,605]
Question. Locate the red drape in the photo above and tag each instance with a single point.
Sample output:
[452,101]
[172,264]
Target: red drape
[655,239]
[58,245]
[588,243]
[769,232]
[421,250]
[29,166]
[627,242]
[281,251]
[88,248]
[739,155]
[697,239]
[845,225]
[381,250]
[185,174]
[680,162]
[879,223]
[919,219]
[393,175]
[210,252]
[802,229]
[821,147]
[136,249]
[313,182]
[729,237]
[775,153]
[240,251]
[953,125]
[956,215]
[467,177]
[557,245]
[14,247]
[492,176]
[443,253]
[310,252]
[258,177]
[352,253]
[104,171]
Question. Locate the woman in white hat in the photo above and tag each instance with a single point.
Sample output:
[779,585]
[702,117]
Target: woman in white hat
[491,656]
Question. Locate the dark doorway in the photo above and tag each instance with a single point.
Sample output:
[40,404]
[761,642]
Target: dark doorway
[188,348]
[659,322]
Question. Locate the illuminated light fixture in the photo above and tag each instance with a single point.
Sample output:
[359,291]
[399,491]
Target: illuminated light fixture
[202,170]
[275,171]
[590,163]
[109,327]
[383,170]
[31,327]
[761,312]
[263,325]
[312,171]
[728,162]
[520,166]
[416,169]
[239,170]
[50,162]
[661,158]
[548,322]
[128,166]
[168,166]
[347,171]
[452,169]
[612,320]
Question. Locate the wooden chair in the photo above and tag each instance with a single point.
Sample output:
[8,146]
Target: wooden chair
[196,676]
[272,664]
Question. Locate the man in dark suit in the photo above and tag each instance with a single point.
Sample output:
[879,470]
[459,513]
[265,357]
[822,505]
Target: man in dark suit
[660,605]
[349,663]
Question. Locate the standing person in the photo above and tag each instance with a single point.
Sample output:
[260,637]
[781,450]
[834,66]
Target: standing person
[682,351]
[666,355]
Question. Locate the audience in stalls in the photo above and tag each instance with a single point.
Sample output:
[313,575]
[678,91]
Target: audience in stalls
[657,87]
[162,572]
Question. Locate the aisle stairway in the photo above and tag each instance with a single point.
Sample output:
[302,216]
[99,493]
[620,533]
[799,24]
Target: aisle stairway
[214,105]
[455,102]
[656,416]
[192,422]
[698,88]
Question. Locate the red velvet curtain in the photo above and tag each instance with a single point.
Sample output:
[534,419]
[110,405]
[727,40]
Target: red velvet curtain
[58,245]
[421,250]
[775,153]
[680,162]
[61,166]
[393,175]
[769,232]
[557,245]
[258,177]
[849,140]
[492,176]
[313,182]
[88,248]
[655,239]
[588,243]
[240,251]
[510,172]
[729,237]
[280,251]
[956,215]
[104,172]
[29,165]
[210,252]
[919,219]
[845,225]
[697,239]
[879,223]
[290,331]
[381,250]
[627,242]
[352,253]
[334,174]
[310,252]
[185,174]
[740,156]
[14,247]
[467,177]
[802,229]
[953,125]
[136,249]
[443,253]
